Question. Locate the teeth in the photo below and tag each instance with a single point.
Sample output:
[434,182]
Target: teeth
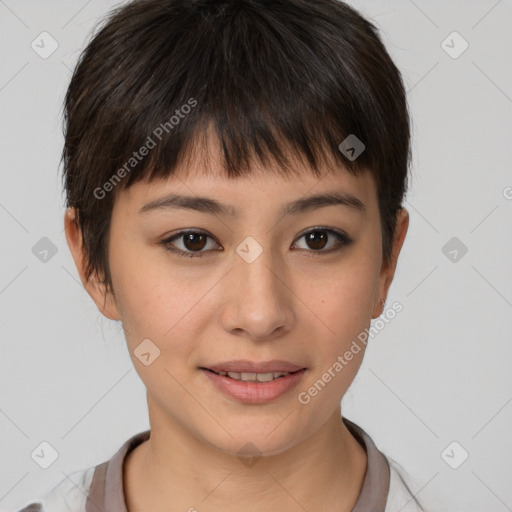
[255,377]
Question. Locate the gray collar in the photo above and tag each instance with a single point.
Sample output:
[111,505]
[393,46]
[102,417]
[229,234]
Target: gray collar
[106,492]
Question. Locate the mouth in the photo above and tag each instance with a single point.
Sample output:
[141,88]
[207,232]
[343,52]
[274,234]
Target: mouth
[257,384]
[253,377]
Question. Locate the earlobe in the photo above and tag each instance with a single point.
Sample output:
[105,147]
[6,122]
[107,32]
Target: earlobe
[103,298]
[378,308]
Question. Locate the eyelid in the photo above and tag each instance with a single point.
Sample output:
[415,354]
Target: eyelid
[166,243]
[343,240]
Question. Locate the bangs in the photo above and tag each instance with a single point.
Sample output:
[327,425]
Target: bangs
[254,81]
[269,82]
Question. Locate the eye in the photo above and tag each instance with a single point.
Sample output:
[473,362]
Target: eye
[194,243]
[317,239]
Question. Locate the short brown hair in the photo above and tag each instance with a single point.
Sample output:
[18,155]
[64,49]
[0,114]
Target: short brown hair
[267,75]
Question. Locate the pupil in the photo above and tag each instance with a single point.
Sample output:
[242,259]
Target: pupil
[318,239]
[191,242]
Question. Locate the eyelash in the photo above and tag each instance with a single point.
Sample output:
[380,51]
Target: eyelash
[343,241]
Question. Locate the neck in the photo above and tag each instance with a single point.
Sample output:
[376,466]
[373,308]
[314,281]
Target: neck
[177,469]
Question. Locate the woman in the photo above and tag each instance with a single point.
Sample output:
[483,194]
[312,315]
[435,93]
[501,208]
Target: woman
[235,173]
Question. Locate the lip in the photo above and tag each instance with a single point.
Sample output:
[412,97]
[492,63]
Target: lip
[255,392]
[244,365]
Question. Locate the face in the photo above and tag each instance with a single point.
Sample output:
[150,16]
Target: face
[249,283]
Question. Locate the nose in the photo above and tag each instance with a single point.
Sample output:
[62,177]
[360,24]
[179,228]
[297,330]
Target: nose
[258,299]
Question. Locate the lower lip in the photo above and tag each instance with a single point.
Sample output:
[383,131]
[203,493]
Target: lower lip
[255,392]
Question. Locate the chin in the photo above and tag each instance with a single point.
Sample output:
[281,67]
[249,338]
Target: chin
[255,440]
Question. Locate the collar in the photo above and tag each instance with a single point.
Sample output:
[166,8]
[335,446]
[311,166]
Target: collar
[106,493]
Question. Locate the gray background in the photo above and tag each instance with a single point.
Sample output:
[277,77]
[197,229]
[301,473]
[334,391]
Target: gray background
[438,373]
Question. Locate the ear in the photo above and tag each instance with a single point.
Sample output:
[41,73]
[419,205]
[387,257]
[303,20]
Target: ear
[104,300]
[388,270]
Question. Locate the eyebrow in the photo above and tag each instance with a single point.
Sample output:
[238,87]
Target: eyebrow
[209,205]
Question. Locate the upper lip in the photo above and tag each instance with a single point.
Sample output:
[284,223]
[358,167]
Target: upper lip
[243,365]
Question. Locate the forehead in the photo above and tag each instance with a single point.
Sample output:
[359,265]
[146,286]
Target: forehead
[201,175]
[219,194]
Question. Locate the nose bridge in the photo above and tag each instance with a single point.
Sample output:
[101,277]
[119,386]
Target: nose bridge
[260,301]
[258,269]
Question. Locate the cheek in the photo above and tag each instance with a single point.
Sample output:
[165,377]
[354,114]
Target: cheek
[343,299]
[144,307]
[342,309]
[158,301]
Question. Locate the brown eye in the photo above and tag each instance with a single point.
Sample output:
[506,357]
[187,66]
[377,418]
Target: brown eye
[188,243]
[194,241]
[319,238]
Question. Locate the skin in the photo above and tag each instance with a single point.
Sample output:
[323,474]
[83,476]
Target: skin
[291,303]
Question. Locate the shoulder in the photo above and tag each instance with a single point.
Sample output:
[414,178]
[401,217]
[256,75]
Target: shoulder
[104,481]
[68,496]
[400,496]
